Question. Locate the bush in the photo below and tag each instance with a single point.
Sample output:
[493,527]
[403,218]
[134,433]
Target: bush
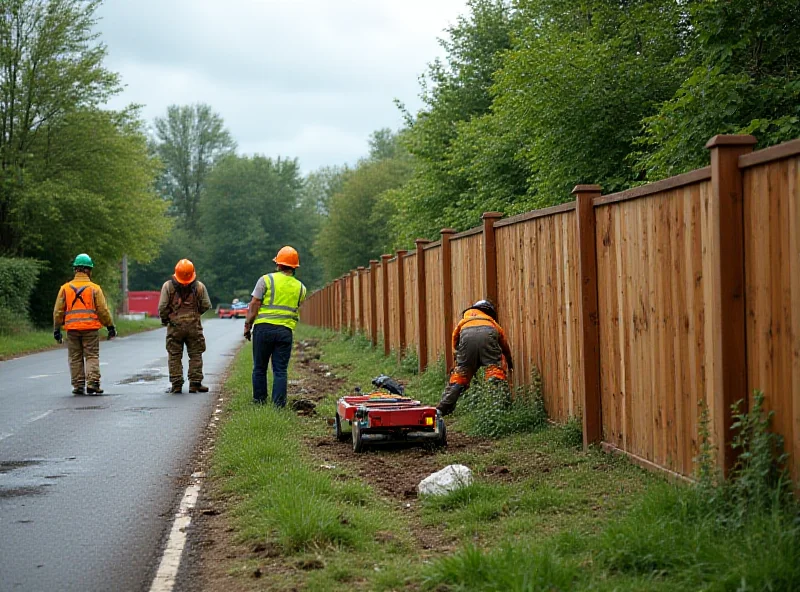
[492,412]
[17,281]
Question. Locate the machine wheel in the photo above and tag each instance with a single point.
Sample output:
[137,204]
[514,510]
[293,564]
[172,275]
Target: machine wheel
[358,441]
[337,429]
[442,433]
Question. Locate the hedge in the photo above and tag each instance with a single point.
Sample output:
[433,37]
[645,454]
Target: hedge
[17,281]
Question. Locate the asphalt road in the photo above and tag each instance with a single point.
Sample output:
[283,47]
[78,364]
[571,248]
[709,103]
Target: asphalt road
[89,485]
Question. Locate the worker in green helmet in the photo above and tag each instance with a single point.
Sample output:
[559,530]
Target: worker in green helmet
[82,310]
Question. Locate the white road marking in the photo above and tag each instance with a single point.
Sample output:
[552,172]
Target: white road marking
[171,560]
[6,435]
[42,416]
[39,376]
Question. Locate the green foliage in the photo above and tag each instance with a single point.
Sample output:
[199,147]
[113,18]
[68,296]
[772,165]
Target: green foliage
[190,140]
[492,412]
[744,79]
[17,281]
[358,227]
[250,209]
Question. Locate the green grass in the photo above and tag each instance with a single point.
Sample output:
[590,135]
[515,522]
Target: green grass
[25,342]
[542,514]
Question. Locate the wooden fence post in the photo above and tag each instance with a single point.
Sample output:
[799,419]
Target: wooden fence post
[401,303]
[447,299]
[361,323]
[387,319]
[588,313]
[490,256]
[728,371]
[351,284]
[373,303]
[343,295]
[422,306]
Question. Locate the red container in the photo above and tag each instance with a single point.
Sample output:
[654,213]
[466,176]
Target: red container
[146,302]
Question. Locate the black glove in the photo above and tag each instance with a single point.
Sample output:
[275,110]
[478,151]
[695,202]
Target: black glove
[247,334]
[164,322]
[112,332]
[57,336]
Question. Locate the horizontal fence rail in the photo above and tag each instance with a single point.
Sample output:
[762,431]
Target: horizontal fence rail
[640,309]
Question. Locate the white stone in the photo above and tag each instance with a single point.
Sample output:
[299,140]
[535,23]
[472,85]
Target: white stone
[449,479]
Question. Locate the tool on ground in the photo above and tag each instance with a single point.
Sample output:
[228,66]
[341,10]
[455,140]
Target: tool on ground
[385,417]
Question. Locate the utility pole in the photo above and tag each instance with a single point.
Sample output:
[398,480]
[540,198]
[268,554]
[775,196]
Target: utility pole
[125,284]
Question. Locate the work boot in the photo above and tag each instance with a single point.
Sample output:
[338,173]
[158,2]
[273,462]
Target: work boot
[451,394]
[197,387]
[94,389]
[78,391]
[175,389]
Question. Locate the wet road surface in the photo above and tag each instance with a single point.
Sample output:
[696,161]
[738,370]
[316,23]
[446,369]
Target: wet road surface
[89,485]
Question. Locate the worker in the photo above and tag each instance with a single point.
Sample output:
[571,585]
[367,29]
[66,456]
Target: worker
[478,340]
[183,301]
[271,317]
[81,308]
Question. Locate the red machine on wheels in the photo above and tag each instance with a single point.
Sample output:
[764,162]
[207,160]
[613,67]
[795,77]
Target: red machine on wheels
[387,417]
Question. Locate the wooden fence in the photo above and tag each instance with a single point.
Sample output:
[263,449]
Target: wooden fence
[638,308]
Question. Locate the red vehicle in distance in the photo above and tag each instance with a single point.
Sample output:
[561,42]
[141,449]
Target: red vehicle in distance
[236,310]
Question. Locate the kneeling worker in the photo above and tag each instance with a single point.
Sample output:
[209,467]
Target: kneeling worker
[81,307]
[183,301]
[273,315]
[478,340]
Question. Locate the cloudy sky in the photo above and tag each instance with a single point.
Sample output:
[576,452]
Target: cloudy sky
[298,78]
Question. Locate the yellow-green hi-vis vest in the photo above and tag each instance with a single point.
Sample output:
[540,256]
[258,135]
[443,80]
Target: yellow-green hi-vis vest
[282,298]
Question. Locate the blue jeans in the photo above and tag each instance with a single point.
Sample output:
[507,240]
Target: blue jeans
[275,342]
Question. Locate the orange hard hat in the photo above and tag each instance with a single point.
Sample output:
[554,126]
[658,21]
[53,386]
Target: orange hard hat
[287,256]
[184,272]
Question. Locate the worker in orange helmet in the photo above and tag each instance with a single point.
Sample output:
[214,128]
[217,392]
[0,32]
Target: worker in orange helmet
[81,308]
[183,301]
[271,318]
[478,340]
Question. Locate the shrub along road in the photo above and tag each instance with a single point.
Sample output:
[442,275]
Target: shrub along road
[289,508]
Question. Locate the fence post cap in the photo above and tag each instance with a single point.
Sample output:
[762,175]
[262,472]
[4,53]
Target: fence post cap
[401,252]
[491,215]
[374,261]
[731,140]
[361,268]
[386,257]
[422,241]
[447,231]
[587,189]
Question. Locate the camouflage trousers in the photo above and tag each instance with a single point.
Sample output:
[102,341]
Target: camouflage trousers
[83,352]
[189,334]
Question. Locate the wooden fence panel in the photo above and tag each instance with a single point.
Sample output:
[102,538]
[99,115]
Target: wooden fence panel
[367,302]
[394,321]
[467,253]
[653,275]
[538,295]
[772,293]
[379,302]
[410,296]
[433,291]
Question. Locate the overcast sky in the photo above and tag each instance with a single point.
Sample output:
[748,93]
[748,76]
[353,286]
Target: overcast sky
[299,78]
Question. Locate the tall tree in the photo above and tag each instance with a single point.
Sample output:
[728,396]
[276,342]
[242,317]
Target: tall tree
[51,65]
[191,139]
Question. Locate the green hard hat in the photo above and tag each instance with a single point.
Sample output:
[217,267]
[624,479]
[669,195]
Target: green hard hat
[83,260]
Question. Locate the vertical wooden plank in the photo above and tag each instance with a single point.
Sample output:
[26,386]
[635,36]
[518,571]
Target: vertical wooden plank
[447,295]
[351,287]
[490,255]
[422,306]
[590,350]
[373,299]
[401,304]
[727,310]
[360,298]
[385,296]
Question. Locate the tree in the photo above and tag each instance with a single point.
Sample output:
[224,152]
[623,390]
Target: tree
[191,139]
[744,78]
[51,65]
[250,209]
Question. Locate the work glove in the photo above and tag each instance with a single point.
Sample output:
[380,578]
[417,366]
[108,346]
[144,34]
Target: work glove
[164,322]
[112,332]
[57,336]
[247,334]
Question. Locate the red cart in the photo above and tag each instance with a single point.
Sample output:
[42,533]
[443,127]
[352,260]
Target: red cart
[385,417]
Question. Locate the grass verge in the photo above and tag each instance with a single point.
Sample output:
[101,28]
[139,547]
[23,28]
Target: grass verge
[26,342]
[542,514]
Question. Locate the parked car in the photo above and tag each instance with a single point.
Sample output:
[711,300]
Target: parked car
[235,310]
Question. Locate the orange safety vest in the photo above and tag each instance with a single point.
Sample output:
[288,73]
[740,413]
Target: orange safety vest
[81,314]
[476,318]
